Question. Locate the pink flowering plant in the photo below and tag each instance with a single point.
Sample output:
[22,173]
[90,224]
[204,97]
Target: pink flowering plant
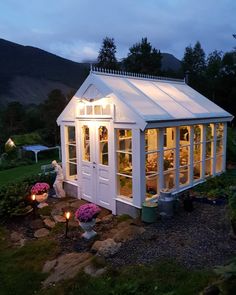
[87,212]
[40,188]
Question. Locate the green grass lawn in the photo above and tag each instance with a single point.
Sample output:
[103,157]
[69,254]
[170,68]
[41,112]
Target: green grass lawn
[18,173]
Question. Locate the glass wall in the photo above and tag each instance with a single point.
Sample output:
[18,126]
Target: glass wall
[169,158]
[124,162]
[152,150]
[86,143]
[219,147]
[209,152]
[184,155]
[103,145]
[71,159]
[197,152]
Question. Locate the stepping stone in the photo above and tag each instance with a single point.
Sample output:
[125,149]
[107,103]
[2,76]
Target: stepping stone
[17,239]
[76,204]
[65,267]
[36,224]
[94,271]
[128,233]
[49,223]
[42,232]
[106,248]
[59,218]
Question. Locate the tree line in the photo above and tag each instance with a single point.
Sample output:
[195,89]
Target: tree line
[214,76]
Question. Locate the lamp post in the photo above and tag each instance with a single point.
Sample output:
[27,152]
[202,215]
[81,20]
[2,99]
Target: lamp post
[33,197]
[67,215]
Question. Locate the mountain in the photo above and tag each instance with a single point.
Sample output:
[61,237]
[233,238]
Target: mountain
[28,74]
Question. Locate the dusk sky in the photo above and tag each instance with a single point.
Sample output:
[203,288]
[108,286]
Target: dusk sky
[74,29]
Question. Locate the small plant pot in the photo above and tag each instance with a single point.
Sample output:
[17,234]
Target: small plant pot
[89,233]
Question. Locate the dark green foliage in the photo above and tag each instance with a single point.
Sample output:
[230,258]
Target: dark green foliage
[232,207]
[27,139]
[14,195]
[15,163]
[231,145]
[143,58]
[107,55]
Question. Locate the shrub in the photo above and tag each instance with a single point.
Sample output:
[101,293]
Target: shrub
[232,206]
[12,195]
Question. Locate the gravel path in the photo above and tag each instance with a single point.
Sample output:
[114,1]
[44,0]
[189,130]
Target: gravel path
[198,240]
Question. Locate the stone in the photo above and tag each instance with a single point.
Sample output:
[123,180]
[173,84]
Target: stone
[59,218]
[73,223]
[49,223]
[36,224]
[94,271]
[17,239]
[66,267]
[106,248]
[128,233]
[42,232]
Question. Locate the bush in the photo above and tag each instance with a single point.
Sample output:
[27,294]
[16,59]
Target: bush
[14,194]
[6,164]
[232,206]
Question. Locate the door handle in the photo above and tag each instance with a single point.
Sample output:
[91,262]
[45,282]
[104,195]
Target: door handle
[94,163]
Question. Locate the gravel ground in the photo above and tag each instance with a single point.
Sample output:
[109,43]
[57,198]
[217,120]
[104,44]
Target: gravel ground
[199,239]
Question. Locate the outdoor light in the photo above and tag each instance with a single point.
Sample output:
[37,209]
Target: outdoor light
[67,215]
[34,205]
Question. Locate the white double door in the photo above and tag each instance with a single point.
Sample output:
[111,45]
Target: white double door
[95,162]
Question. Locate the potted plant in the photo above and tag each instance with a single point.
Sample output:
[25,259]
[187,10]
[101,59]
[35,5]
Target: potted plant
[86,215]
[40,190]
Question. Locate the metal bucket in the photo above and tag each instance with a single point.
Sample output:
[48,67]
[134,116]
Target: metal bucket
[166,204]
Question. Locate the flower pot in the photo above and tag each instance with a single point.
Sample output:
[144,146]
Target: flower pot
[88,229]
[41,198]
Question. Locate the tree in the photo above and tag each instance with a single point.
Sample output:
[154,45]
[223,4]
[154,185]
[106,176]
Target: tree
[107,58]
[194,63]
[143,58]
[50,110]
[194,59]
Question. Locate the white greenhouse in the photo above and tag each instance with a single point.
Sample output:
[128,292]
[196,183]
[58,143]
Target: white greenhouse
[125,137]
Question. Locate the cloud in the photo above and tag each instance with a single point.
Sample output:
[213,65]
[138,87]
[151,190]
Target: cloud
[75,28]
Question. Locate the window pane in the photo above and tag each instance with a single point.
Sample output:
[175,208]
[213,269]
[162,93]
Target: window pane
[152,162]
[124,186]
[124,140]
[151,140]
[106,109]
[97,110]
[184,175]
[208,167]
[219,130]
[197,167]
[81,109]
[209,132]
[151,184]
[184,155]
[103,138]
[209,150]
[86,143]
[169,137]
[219,164]
[72,169]
[124,163]
[197,133]
[89,110]
[184,135]
[169,180]
[169,160]
[219,146]
[72,152]
[71,134]
[197,152]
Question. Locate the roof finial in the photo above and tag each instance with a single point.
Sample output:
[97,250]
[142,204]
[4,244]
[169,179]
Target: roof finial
[91,67]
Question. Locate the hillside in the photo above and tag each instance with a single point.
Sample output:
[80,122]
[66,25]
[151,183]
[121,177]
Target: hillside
[28,74]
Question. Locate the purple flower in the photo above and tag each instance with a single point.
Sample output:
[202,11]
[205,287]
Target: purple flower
[87,212]
[40,188]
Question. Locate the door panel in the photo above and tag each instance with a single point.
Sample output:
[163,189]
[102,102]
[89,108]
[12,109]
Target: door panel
[95,163]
